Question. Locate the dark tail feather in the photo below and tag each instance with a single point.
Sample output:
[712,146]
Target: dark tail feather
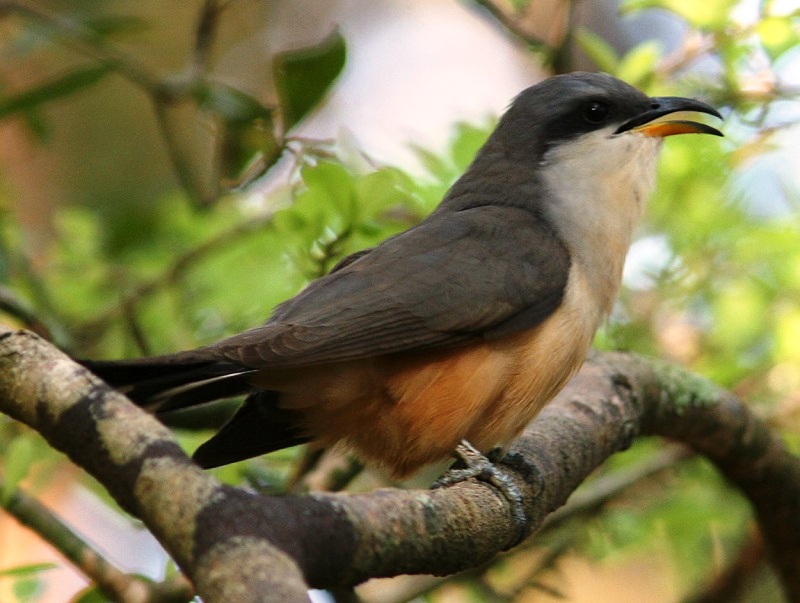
[258,427]
[167,383]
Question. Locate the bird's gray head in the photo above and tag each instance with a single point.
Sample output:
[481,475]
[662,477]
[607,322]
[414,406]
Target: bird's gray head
[580,151]
[577,128]
[565,107]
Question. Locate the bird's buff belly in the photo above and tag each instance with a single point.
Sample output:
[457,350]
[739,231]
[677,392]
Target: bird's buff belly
[408,410]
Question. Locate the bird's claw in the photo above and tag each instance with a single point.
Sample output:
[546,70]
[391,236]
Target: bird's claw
[481,467]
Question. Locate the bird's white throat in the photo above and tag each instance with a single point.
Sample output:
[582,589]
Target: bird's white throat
[598,185]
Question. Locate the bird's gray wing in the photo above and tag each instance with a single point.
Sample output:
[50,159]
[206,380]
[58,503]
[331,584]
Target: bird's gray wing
[459,276]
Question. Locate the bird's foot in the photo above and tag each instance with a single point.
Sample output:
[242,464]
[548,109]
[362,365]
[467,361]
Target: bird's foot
[482,468]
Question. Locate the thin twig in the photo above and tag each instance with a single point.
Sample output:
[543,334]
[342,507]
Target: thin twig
[505,16]
[206,34]
[164,92]
[87,42]
[694,47]
[14,306]
[181,161]
[177,269]
[603,490]
[110,579]
[732,583]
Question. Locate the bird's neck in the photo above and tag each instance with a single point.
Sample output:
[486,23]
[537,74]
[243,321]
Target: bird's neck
[596,191]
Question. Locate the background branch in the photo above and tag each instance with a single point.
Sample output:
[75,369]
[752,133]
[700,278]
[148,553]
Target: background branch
[114,582]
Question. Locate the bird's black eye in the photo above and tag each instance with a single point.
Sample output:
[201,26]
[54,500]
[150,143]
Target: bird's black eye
[595,112]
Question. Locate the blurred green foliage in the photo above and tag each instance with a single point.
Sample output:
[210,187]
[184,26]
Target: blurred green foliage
[724,300]
[27,580]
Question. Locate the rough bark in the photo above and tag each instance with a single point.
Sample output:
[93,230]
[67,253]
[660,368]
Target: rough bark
[236,545]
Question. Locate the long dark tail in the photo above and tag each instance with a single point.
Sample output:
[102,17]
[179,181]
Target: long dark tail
[259,426]
[172,382]
[164,383]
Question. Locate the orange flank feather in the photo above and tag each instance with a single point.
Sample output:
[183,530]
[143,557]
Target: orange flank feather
[411,409]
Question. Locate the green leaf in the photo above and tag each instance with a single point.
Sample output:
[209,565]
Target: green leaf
[27,589]
[38,125]
[109,25]
[435,164]
[27,570]
[711,15]
[56,88]
[467,141]
[27,585]
[597,49]
[247,151]
[247,137]
[232,105]
[787,344]
[778,34]
[303,76]
[18,460]
[638,65]
[337,184]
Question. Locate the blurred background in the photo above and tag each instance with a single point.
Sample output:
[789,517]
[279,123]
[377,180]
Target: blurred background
[169,173]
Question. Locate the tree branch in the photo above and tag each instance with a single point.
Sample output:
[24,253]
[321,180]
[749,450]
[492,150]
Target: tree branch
[113,581]
[235,545]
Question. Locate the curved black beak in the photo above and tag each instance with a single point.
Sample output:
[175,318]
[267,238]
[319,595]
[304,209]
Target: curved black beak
[646,123]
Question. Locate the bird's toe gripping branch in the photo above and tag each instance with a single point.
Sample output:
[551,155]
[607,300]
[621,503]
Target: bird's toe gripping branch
[482,468]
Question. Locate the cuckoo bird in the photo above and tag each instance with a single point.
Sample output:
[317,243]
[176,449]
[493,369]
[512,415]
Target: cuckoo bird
[462,327]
